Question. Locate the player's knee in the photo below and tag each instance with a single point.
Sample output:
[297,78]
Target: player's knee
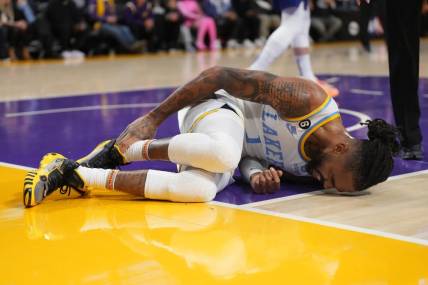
[225,153]
[193,186]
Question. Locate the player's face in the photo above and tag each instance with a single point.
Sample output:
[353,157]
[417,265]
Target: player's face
[332,172]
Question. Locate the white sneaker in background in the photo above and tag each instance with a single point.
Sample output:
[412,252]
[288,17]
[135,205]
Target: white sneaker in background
[77,54]
[260,42]
[217,45]
[66,54]
[248,44]
[232,44]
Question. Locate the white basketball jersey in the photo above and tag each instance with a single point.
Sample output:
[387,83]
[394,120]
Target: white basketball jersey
[276,141]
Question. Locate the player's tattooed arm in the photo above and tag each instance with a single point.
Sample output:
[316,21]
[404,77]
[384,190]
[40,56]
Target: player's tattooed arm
[290,97]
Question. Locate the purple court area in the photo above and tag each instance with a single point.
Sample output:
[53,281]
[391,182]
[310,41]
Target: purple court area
[73,125]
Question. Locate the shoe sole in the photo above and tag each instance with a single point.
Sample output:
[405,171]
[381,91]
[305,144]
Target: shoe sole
[36,176]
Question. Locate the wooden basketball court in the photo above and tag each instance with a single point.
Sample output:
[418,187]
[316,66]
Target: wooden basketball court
[298,236]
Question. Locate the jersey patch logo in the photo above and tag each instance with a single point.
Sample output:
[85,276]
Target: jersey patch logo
[305,124]
[292,129]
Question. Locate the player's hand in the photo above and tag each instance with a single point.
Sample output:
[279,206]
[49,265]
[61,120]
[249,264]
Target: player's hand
[142,128]
[267,181]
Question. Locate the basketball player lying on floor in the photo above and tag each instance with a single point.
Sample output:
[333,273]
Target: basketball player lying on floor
[228,117]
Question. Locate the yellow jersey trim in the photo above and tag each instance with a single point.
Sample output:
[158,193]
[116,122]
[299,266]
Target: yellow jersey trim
[311,131]
[318,109]
[200,118]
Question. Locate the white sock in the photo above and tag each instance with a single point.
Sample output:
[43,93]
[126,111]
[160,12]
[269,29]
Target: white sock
[135,152]
[94,177]
[305,67]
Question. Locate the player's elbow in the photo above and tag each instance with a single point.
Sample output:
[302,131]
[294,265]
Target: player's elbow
[213,72]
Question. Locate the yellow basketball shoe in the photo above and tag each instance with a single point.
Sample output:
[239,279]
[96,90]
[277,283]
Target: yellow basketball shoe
[55,172]
[106,155]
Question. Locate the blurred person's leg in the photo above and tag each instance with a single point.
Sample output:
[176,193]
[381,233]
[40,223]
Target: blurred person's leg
[18,42]
[403,26]
[159,36]
[291,25]
[116,32]
[231,28]
[252,24]
[333,26]
[63,33]
[365,14]
[10,39]
[45,35]
[186,35]
[202,26]
[126,34]
[3,44]
[212,33]
[265,24]
[319,26]
[172,33]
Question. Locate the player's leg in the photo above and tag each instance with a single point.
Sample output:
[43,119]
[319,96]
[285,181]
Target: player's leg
[208,156]
[215,145]
[211,145]
[190,185]
[280,39]
[301,50]
[300,45]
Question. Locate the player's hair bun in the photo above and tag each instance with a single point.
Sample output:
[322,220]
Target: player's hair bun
[384,133]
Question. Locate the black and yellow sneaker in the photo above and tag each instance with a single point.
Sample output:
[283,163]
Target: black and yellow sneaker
[106,155]
[55,172]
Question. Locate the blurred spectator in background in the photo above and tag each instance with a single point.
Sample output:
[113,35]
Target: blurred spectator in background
[226,19]
[369,11]
[4,55]
[106,21]
[67,26]
[323,20]
[171,24]
[138,16]
[17,19]
[194,17]
[250,27]
[269,20]
[424,20]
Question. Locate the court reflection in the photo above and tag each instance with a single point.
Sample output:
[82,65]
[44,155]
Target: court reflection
[184,243]
[112,238]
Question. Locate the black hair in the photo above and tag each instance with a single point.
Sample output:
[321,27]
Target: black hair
[374,160]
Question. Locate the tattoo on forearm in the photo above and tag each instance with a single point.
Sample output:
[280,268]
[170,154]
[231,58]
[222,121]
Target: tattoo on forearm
[289,96]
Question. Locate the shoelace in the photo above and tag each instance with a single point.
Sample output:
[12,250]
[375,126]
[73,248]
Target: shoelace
[65,189]
[54,181]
